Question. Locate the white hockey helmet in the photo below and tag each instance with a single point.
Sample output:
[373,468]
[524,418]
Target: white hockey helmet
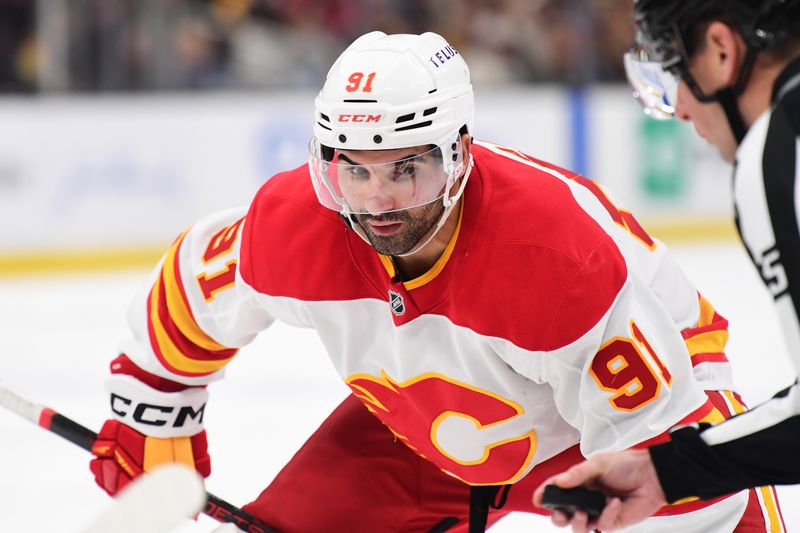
[387,92]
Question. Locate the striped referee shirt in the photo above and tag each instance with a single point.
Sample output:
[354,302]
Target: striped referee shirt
[759,447]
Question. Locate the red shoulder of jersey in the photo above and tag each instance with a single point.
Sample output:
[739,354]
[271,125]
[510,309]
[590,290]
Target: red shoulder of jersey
[530,265]
[537,268]
[293,246]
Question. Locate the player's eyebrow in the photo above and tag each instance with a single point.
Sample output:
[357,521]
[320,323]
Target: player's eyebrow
[399,160]
[346,159]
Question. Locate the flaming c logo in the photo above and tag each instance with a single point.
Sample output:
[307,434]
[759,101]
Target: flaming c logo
[464,430]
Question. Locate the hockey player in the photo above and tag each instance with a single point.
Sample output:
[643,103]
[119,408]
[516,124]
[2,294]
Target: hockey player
[738,64]
[496,318]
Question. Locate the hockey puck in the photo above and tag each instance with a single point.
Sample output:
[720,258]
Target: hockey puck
[571,500]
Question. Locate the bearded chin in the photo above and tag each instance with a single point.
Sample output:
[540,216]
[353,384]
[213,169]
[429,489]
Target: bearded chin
[415,228]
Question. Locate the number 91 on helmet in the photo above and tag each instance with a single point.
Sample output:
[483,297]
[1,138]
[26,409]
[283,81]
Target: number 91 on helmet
[388,124]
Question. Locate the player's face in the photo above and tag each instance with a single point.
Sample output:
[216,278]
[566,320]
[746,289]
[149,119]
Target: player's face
[374,182]
[377,185]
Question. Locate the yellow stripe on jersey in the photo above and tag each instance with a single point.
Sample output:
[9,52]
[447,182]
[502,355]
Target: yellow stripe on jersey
[435,269]
[738,408]
[442,261]
[707,313]
[771,510]
[172,355]
[714,416]
[387,264]
[178,310]
[708,342]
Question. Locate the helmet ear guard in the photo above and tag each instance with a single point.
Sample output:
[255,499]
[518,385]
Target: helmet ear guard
[327,153]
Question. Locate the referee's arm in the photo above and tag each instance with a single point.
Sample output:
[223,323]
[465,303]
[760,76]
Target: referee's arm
[758,447]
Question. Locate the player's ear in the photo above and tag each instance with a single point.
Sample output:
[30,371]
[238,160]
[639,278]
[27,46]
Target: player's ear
[466,141]
[727,50]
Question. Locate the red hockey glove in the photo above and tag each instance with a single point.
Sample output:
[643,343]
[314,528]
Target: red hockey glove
[151,428]
[123,454]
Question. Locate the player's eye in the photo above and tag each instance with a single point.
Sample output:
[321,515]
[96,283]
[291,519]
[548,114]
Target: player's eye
[357,171]
[404,169]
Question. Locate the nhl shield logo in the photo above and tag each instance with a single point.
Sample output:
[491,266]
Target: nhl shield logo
[397,304]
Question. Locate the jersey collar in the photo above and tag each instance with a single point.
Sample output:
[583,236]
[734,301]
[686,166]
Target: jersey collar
[437,267]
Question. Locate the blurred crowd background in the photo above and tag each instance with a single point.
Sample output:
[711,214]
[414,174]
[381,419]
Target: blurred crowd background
[165,45]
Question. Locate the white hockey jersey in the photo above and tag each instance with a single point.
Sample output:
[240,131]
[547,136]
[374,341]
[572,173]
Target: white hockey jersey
[551,319]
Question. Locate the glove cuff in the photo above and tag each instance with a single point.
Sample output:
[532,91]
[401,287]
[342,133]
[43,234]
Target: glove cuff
[156,413]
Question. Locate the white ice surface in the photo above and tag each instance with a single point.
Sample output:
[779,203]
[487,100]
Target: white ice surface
[58,333]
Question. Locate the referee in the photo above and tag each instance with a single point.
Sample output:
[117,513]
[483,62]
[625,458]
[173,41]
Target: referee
[732,68]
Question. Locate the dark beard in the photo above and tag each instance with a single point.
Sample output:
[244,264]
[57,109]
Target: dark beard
[414,228]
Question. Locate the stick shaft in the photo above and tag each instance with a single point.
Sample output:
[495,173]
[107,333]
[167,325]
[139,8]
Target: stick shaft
[67,429]
[51,420]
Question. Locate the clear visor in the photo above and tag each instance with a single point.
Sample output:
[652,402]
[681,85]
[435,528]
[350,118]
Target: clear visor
[654,88]
[346,180]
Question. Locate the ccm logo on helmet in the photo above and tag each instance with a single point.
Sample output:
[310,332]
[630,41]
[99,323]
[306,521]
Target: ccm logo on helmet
[360,118]
[155,415]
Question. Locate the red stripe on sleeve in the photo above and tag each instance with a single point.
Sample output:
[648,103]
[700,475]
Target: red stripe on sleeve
[154,341]
[719,324]
[709,358]
[183,344]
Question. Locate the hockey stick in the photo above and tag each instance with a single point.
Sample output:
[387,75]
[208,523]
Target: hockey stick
[216,508]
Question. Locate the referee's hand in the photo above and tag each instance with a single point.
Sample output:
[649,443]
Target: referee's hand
[627,478]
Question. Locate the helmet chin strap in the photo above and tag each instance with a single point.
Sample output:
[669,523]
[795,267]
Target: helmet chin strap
[727,96]
[448,201]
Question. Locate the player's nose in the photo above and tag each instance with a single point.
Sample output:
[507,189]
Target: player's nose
[379,203]
[379,196]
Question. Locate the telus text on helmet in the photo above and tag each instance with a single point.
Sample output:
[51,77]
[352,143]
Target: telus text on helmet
[442,56]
